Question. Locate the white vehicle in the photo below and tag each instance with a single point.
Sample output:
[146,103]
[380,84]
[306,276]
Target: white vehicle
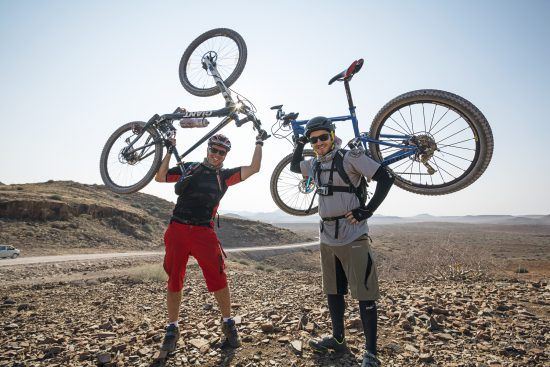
[8,251]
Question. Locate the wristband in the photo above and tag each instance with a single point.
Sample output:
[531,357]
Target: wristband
[259,142]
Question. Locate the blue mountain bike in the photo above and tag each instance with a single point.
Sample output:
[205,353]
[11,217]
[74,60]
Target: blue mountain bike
[434,142]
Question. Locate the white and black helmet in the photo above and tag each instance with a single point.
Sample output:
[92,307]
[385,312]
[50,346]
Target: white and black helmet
[221,140]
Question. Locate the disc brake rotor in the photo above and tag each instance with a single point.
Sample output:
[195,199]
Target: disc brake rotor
[306,186]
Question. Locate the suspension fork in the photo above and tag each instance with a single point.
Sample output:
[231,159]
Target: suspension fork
[218,79]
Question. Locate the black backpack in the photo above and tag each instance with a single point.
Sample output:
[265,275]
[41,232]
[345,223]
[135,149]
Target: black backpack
[185,179]
[338,165]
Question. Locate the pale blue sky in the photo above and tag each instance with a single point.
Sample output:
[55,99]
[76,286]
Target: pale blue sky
[72,72]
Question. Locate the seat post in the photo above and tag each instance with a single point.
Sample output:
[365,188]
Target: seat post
[348,95]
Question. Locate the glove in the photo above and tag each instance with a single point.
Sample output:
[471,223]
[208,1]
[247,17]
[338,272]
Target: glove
[302,140]
[169,145]
[361,213]
[262,135]
[260,139]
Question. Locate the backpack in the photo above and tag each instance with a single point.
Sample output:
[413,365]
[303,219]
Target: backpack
[338,165]
[185,179]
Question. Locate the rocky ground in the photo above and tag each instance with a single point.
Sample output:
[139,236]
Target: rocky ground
[112,314]
[452,294]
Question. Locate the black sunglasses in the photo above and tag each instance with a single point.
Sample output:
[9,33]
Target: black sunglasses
[324,137]
[217,151]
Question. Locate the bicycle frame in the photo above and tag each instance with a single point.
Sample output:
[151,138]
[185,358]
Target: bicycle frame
[163,124]
[406,150]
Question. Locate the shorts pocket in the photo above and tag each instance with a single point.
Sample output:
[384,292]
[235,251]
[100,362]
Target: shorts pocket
[369,270]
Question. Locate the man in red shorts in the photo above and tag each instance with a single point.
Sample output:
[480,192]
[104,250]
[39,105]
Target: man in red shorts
[191,230]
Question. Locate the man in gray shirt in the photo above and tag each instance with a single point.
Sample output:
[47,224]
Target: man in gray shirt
[346,257]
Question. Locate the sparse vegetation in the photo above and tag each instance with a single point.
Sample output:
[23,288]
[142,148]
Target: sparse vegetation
[522,270]
[147,228]
[242,261]
[149,272]
[56,197]
[443,261]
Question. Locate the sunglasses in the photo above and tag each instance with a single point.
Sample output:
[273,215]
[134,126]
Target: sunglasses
[314,139]
[217,151]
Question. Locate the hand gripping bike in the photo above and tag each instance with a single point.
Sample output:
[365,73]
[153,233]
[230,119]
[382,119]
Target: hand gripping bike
[210,65]
[433,141]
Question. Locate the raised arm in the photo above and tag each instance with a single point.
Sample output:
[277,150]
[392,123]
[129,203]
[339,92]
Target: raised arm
[254,167]
[163,170]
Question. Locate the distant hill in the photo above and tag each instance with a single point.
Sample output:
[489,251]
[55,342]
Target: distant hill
[57,216]
[278,216]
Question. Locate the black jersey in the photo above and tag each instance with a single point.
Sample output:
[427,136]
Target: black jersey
[198,203]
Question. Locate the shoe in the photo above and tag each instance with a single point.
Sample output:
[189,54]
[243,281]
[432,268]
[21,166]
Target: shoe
[370,360]
[230,331]
[170,338]
[328,343]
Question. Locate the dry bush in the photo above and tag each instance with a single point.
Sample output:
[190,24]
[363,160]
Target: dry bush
[150,272]
[443,261]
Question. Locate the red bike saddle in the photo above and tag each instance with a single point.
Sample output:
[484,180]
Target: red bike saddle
[348,73]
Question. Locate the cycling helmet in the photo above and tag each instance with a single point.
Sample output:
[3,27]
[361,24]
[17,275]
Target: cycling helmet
[221,140]
[318,123]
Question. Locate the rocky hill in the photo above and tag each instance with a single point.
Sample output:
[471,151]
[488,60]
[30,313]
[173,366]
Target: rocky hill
[61,216]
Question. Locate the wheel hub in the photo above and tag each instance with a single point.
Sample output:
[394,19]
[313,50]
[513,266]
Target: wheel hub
[127,158]
[306,186]
[426,148]
[211,56]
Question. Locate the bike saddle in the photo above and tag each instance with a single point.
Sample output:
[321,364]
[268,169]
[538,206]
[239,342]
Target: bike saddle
[348,73]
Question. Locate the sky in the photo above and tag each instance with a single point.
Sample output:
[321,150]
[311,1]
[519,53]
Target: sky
[72,72]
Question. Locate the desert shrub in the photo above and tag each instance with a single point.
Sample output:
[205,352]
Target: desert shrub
[19,188]
[439,261]
[56,197]
[136,205]
[49,181]
[242,261]
[150,272]
[259,267]
[147,228]
[521,270]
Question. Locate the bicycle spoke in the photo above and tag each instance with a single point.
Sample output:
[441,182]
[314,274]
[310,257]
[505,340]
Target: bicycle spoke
[401,132]
[457,156]
[424,117]
[441,118]
[407,125]
[434,134]
[411,115]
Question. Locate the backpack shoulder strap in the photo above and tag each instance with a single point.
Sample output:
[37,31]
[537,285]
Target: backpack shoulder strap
[339,163]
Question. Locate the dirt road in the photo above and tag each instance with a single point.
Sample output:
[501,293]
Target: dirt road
[82,257]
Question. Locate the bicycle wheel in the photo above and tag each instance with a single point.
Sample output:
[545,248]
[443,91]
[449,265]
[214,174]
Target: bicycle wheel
[227,50]
[454,139]
[291,191]
[124,168]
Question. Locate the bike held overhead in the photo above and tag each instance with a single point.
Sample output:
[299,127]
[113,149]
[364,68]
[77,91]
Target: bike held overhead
[210,65]
[434,142]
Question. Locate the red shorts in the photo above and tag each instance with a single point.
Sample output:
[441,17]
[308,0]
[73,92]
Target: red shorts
[182,240]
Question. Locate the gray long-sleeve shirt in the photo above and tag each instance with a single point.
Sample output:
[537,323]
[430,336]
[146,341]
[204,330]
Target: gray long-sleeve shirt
[356,164]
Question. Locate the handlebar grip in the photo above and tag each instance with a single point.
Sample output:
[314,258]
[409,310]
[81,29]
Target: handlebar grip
[240,123]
